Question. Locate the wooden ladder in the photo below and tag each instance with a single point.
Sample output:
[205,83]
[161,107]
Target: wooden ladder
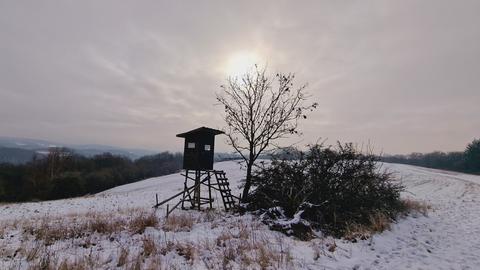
[225,191]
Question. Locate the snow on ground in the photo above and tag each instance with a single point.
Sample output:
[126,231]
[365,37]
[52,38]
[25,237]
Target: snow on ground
[448,238]
[140,194]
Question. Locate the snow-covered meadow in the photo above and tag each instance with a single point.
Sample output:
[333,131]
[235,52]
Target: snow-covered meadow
[448,238]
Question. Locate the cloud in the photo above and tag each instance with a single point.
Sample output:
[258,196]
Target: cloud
[400,74]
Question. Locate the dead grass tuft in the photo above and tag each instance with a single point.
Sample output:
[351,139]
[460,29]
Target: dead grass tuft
[416,206]
[186,250]
[2,231]
[44,261]
[104,225]
[141,221]
[317,252]
[149,246]
[229,254]
[51,231]
[154,264]
[136,263]
[32,253]
[122,257]
[179,223]
[223,238]
[166,247]
[78,264]
[378,222]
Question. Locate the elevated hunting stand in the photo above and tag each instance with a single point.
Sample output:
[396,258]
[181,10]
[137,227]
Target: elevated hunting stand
[198,166]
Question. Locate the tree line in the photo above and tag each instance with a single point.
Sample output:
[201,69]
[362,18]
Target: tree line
[467,161]
[63,174]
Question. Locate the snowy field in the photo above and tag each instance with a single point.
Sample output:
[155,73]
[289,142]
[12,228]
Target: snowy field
[448,238]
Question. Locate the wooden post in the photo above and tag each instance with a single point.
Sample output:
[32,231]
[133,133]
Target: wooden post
[197,190]
[184,189]
[209,190]
[168,208]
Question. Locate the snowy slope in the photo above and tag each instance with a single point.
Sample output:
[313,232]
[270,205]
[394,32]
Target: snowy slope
[139,194]
[449,238]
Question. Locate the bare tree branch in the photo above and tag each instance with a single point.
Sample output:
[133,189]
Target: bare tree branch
[257,113]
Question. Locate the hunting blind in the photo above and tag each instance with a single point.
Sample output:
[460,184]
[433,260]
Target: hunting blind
[198,157]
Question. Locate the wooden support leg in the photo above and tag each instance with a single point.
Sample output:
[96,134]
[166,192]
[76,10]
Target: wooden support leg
[209,190]
[197,190]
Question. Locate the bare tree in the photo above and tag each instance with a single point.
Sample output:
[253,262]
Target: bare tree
[259,110]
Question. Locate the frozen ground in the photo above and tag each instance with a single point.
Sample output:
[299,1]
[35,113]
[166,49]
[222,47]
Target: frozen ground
[449,238]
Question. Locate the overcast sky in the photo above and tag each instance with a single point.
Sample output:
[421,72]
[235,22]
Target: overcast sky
[404,75]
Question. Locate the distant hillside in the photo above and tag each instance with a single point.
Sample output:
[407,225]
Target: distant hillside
[20,150]
[15,155]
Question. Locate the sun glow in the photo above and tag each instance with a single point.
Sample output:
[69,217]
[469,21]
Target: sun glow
[241,63]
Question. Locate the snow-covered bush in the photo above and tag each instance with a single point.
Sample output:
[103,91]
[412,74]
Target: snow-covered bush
[329,187]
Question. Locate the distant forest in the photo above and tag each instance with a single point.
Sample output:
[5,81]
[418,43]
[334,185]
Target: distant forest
[63,174]
[467,161]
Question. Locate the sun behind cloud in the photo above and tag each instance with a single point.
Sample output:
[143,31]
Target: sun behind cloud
[241,62]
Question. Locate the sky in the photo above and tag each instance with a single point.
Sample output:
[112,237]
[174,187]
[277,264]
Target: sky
[402,76]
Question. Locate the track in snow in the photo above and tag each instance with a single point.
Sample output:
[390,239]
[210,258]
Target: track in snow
[449,238]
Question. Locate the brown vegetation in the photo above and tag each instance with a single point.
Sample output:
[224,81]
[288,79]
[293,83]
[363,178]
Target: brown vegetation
[179,223]
[379,221]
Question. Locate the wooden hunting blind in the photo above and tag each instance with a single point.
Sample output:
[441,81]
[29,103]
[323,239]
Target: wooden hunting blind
[198,157]
[199,147]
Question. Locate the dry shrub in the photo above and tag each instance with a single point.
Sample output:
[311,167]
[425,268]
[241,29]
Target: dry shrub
[141,221]
[179,223]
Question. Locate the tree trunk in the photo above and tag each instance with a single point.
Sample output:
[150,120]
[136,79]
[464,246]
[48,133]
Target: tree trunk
[248,182]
